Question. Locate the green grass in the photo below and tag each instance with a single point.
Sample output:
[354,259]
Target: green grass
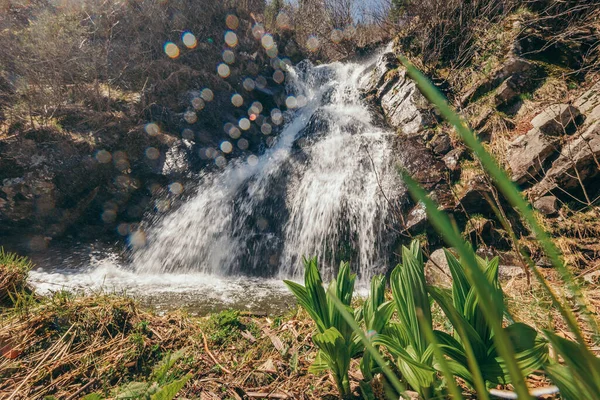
[14,270]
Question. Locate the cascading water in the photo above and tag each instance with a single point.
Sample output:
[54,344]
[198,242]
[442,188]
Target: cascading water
[326,187]
[318,191]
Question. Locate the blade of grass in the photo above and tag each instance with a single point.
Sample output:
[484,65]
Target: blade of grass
[483,288]
[508,189]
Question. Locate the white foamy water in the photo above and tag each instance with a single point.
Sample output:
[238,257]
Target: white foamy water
[200,293]
[317,191]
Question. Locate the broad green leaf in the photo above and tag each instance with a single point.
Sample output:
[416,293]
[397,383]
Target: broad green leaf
[460,283]
[169,391]
[316,292]
[160,371]
[92,396]
[132,390]
[582,364]
[334,353]
[319,365]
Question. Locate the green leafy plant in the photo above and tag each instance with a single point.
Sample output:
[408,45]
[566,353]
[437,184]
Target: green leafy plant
[375,314]
[162,385]
[337,340]
[579,376]
[464,311]
[406,339]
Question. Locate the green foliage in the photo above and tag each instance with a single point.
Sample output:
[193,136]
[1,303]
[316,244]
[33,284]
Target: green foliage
[468,317]
[13,278]
[337,340]
[579,377]
[375,314]
[163,383]
[226,327]
[406,340]
[509,341]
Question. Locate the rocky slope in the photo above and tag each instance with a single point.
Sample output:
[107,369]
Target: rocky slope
[542,125]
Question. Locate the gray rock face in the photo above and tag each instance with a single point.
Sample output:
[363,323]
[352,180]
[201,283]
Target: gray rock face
[577,164]
[506,92]
[547,205]
[528,153]
[50,181]
[557,119]
[403,105]
[437,271]
[590,100]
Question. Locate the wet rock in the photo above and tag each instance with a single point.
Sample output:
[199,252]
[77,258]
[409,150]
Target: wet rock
[404,106]
[441,144]
[557,119]
[376,78]
[576,165]
[547,205]
[419,161]
[55,180]
[527,155]
[416,219]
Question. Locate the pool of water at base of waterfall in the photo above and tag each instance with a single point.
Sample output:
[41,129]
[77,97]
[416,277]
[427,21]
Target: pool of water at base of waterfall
[101,268]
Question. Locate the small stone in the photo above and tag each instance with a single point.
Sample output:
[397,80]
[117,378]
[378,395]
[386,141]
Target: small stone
[506,272]
[506,92]
[441,144]
[547,205]
[544,262]
[453,158]
[437,271]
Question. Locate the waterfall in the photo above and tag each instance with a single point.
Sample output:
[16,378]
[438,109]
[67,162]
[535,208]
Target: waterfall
[322,189]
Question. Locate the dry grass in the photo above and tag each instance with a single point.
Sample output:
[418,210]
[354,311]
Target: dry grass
[69,345]
[13,276]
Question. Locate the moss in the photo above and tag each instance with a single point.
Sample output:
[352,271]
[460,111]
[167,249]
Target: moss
[14,270]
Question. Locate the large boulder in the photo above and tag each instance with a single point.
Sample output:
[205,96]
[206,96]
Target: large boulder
[404,107]
[589,100]
[577,164]
[527,155]
[558,119]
